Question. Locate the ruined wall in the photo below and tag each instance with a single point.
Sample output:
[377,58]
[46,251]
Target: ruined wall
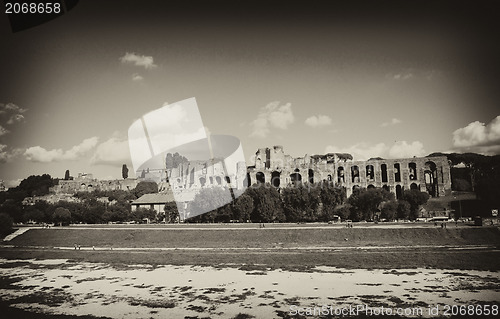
[86,183]
[430,174]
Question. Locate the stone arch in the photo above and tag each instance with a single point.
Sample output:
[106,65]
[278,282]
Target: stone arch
[83,186]
[202,181]
[275,179]
[340,175]
[248,180]
[355,174]
[90,187]
[397,172]
[211,179]
[218,180]
[329,178]
[431,179]
[414,186]
[310,175]
[370,186]
[383,168]
[295,178]
[412,171]
[370,172]
[191,177]
[260,177]
[228,179]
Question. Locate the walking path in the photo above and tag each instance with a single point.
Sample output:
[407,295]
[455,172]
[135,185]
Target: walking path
[18,232]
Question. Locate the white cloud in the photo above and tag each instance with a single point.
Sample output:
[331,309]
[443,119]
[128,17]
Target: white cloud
[114,151]
[40,154]
[3,130]
[363,151]
[137,77]
[479,137]
[9,155]
[318,120]
[138,60]
[403,149]
[272,116]
[393,121]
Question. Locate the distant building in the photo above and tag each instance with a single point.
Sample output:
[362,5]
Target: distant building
[87,183]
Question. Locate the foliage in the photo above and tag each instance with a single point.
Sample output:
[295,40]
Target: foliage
[267,204]
[301,203]
[461,185]
[331,197]
[243,208]
[171,214]
[36,185]
[389,210]
[366,202]
[403,210]
[209,199]
[66,175]
[124,171]
[145,187]
[61,216]
[343,211]
[415,198]
[5,224]
[141,213]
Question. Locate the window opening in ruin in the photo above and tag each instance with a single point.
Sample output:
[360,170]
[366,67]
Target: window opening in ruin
[295,178]
[260,177]
[412,171]
[340,175]
[397,172]
[191,177]
[202,181]
[370,186]
[249,181]
[383,167]
[414,186]
[228,180]
[275,179]
[218,180]
[431,179]
[370,173]
[355,174]
[329,178]
[311,176]
[211,179]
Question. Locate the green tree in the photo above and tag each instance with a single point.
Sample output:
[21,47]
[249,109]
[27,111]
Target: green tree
[62,216]
[343,211]
[331,197]
[208,200]
[139,214]
[5,224]
[366,202]
[124,171]
[301,203]
[267,204]
[415,198]
[403,210]
[243,208]
[171,212]
[145,187]
[389,210]
[66,175]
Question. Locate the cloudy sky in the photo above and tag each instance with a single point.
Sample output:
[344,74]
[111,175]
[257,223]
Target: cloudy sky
[390,79]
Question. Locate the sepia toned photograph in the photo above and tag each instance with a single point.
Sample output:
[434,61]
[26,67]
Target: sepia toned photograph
[249,159]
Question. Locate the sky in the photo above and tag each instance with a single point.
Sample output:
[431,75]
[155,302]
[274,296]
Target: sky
[386,79]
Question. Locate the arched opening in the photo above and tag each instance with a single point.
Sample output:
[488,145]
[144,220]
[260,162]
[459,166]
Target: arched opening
[275,179]
[218,180]
[385,187]
[340,175]
[228,180]
[202,181]
[329,178]
[248,180]
[383,168]
[399,192]
[397,172]
[355,189]
[83,186]
[90,188]
[261,178]
[414,186]
[412,171]
[355,174]
[295,178]
[370,173]
[310,174]
[370,186]
[211,179]
[431,180]
[191,177]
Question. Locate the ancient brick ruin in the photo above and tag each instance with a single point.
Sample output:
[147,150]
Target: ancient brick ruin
[427,174]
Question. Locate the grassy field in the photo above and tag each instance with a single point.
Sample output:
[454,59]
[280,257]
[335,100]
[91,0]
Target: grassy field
[300,248]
